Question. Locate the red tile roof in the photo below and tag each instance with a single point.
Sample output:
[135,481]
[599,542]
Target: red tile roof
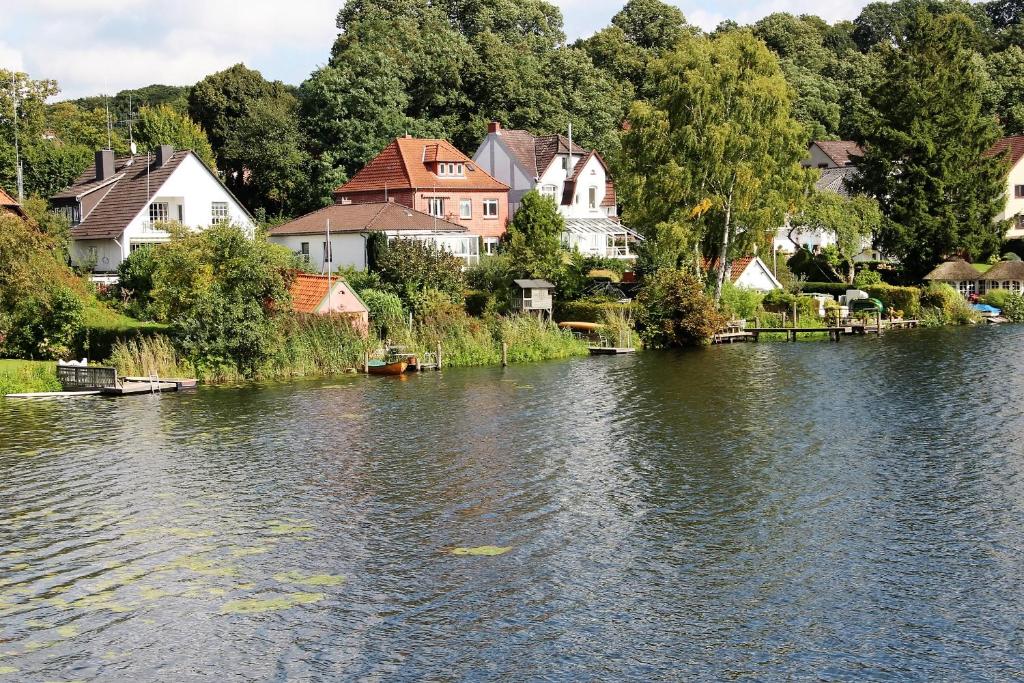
[1014,145]
[383,216]
[9,203]
[736,267]
[309,291]
[403,164]
[840,151]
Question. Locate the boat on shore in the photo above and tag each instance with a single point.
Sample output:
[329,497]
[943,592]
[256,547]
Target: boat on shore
[384,367]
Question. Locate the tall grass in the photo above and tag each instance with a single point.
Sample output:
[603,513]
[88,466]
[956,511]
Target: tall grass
[147,356]
[319,345]
[26,376]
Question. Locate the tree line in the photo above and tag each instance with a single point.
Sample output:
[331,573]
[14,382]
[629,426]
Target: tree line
[927,85]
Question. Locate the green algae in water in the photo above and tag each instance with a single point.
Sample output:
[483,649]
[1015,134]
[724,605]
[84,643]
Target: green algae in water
[296,577]
[185,534]
[100,602]
[260,606]
[5,670]
[150,593]
[484,550]
[67,631]
[278,527]
[200,565]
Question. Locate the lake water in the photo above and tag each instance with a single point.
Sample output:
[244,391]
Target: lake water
[775,511]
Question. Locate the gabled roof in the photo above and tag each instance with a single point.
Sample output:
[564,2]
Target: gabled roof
[569,189]
[536,152]
[1013,144]
[309,292]
[840,151]
[956,270]
[403,165]
[124,194]
[375,216]
[9,203]
[738,266]
[1005,270]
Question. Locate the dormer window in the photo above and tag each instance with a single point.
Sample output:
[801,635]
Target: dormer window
[450,170]
[549,191]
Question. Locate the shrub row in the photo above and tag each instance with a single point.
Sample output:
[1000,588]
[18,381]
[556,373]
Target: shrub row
[906,299]
[589,311]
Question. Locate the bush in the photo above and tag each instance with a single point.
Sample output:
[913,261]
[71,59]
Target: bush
[906,299]
[592,310]
[386,314]
[674,311]
[134,289]
[42,324]
[943,305]
[1013,308]
[408,268]
[996,297]
[21,376]
[866,278]
[738,302]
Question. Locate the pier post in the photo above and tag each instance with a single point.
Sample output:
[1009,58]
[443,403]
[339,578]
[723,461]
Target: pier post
[794,314]
[366,362]
[438,355]
[504,354]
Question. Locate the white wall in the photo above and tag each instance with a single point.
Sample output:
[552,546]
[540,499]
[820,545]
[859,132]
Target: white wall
[757,276]
[592,175]
[817,158]
[493,157]
[349,249]
[1013,205]
[108,253]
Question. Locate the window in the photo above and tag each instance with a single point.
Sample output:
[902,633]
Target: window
[465,208]
[1020,221]
[549,191]
[592,198]
[1018,191]
[491,245]
[181,213]
[218,212]
[71,213]
[133,247]
[565,163]
[158,211]
[1006,284]
[981,287]
[1015,286]
[304,252]
[328,253]
[490,208]
[450,169]
[966,288]
[435,206]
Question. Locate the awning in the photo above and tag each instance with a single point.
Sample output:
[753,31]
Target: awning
[601,226]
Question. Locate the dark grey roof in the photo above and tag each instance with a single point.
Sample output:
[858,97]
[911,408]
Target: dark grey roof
[836,180]
[534,284]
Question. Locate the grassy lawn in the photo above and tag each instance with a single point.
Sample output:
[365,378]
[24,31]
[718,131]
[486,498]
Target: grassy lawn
[24,376]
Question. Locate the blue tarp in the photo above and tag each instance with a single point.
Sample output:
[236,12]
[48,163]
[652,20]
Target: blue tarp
[985,308]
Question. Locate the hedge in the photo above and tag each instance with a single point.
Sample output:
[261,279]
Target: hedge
[588,311]
[906,299]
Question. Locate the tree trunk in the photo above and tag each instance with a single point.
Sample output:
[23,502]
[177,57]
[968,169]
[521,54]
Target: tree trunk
[723,250]
[850,272]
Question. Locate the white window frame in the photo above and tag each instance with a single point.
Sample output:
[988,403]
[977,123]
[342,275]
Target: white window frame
[219,213]
[465,209]
[490,208]
[491,245]
[304,251]
[592,197]
[435,206]
[158,211]
[549,191]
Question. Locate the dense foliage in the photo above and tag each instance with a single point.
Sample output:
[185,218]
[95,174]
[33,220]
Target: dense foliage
[534,239]
[674,311]
[411,268]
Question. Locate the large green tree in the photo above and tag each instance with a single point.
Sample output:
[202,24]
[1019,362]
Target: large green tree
[162,125]
[851,221]
[714,161]
[925,136]
[534,240]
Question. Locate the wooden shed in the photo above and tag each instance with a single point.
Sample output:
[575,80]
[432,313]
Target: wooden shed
[533,296]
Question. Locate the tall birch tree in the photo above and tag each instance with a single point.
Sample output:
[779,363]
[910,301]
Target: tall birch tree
[713,163]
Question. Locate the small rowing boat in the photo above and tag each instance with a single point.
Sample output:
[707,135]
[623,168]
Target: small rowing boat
[380,367]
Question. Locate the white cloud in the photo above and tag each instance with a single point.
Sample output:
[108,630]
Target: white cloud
[11,58]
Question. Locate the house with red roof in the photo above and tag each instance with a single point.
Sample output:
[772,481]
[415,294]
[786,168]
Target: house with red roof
[1013,148]
[328,295]
[9,204]
[832,154]
[577,180]
[748,272]
[433,177]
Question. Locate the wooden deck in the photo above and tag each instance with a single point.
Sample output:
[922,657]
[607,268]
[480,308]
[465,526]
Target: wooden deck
[736,334]
[610,350]
[127,388]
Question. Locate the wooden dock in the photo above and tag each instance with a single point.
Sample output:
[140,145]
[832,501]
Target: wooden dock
[610,350]
[738,334]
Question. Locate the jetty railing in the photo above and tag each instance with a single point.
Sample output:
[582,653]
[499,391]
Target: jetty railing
[86,377]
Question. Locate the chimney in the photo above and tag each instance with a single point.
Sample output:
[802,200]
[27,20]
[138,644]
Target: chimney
[163,154]
[494,127]
[407,136]
[104,163]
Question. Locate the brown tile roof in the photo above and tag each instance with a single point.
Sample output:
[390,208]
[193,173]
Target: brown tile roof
[309,291]
[1014,145]
[1005,270]
[9,203]
[403,165]
[736,267]
[956,270]
[840,151]
[536,152]
[549,146]
[364,218]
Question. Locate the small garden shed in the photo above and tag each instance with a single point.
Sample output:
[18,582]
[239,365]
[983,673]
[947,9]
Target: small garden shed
[533,296]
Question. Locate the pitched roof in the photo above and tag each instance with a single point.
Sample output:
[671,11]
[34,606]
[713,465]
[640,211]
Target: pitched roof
[10,203]
[309,291]
[736,266]
[956,270]
[534,284]
[374,216]
[1013,144]
[840,151]
[1005,270]
[403,165]
[536,152]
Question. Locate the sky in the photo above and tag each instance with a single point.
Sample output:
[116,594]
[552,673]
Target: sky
[103,46]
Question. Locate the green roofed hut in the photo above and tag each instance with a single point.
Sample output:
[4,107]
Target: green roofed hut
[533,296]
[958,273]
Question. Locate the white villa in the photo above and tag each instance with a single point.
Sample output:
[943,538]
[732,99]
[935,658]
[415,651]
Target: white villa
[349,226]
[577,180]
[1013,146]
[118,205]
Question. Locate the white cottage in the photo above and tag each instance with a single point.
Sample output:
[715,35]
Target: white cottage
[118,205]
[350,225]
[577,180]
[749,272]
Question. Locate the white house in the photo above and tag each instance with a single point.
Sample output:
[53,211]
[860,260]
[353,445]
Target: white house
[577,180]
[118,205]
[350,226]
[749,272]
[1013,147]
[832,154]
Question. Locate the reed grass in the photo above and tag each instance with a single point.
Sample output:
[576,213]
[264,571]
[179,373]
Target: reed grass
[27,376]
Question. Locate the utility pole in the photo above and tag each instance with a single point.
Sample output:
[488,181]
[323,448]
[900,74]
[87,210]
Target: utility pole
[17,149]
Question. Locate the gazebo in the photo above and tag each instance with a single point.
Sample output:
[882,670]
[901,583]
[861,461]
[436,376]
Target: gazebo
[958,273]
[1005,275]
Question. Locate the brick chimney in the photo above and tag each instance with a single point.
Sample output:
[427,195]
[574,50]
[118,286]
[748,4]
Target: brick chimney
[494,127]
[163,154]
[104,163]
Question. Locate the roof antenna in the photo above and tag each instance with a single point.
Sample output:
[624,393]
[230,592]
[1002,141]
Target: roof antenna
[106,104]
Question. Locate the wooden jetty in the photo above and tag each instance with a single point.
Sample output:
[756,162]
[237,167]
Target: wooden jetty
[610,350]
[79,379]
[735,333]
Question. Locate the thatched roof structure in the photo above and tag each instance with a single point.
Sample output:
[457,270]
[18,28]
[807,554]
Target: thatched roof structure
[1005,270]
[957,270]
